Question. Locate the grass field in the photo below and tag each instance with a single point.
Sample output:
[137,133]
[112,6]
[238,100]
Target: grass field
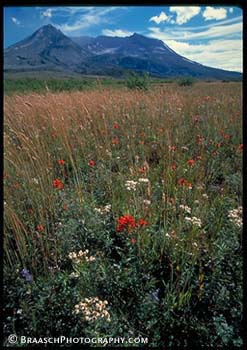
[23,83]
[130,197]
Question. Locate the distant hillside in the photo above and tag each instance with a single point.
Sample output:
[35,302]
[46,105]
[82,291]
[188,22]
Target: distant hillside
[49,49]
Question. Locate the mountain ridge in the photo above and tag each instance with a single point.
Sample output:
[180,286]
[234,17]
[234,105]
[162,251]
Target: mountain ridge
[48,48]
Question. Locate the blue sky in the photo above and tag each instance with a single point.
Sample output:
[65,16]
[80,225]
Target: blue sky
[210,35]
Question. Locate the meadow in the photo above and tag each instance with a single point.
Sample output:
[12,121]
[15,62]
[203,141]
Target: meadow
[123,214]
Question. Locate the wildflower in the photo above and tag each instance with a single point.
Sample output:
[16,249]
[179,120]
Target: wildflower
[172,148]
[103,210]
[115,126]
[185,208]
[196,119]
[184,182]
[240,147]
[93,309]
[199,157]
[142,222]
[199,139]
[115,141]
[91,162]
[40,228]
[227,136]
[133,240]
[81,256]
[126,222]
[146,202]
[26,275]
[65,207]
[35,181]
[235,216]
[74,275]
[191,162]
[58,184]
[173,166]
[194,221]
[204,195]
[143,180]
[130,185]
[142,170]
[155,295]
[30,211]
[61,162]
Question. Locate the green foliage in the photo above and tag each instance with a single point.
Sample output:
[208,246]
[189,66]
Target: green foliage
[185,81]
[138,81]
[177,278]
[24,85]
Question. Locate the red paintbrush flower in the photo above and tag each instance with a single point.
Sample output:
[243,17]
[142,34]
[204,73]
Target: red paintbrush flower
[184,182]
[92,162]
[40,228]
[115,141]
[191,162]
[126,222]
[133,240]
[58,184]
[142,222]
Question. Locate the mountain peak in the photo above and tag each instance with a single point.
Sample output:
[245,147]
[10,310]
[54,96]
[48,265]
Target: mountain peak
[136,35]
[49,48]
[48,28]
[140,39]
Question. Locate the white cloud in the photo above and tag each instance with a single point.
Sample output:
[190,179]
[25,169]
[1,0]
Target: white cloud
[67,11]
[224,53]
[47,13]
[90,16]
[206,26]
[116,32]
[15,20]
[213,13]
[184,14]
[161,18]
[212,32]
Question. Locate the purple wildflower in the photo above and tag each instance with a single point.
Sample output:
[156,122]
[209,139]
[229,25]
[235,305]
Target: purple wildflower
[27,275]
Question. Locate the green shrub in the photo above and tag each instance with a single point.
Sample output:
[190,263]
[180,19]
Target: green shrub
[138,81]
[185,81]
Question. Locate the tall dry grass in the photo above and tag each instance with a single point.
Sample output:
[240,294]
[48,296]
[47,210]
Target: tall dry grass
[78,127]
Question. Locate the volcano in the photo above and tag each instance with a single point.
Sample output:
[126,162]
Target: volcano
[49,49]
